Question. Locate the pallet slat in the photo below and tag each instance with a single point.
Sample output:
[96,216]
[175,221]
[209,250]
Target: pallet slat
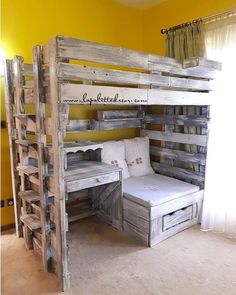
[73,72]
[30,196]
[25,142]
[119,115]
[90,94]
[27,169]
[178,172]
[71,48]
[178,155]
[176,137]
[31,221]
[201,121]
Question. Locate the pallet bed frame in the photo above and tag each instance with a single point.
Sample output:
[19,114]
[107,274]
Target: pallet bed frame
[170,104]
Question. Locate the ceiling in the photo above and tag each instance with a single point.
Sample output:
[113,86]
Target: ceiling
[141,4]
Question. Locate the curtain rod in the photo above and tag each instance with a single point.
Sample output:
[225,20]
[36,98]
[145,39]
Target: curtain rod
[206,19]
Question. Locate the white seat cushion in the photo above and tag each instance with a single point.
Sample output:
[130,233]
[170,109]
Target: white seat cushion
[113,153]
[155,189]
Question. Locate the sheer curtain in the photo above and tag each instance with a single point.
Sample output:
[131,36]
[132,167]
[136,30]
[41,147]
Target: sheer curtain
[219,209]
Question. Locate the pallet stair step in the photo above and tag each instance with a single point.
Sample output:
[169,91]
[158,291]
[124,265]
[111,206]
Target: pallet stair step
[30,196]
[28,169]
[31,221]
[25,142]
[23,115]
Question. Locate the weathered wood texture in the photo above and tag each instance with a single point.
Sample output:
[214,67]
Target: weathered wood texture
[178,154]
[57,112]
[24,168]
[153,225]
[71,48]
[92,95]
[39,96]
[82,73]
[187,120]
[107,203]
[9,101]
[176,137]
[50,190]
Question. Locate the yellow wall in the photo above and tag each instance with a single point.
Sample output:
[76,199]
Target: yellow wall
[26,23]
[174,12]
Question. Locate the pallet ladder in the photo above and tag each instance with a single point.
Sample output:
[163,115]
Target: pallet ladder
[24,152]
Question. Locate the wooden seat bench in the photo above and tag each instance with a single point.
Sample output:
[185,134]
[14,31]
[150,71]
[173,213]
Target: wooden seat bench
[156,207]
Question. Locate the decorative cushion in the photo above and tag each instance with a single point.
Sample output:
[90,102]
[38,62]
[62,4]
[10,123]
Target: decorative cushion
[137,156]
[113,153]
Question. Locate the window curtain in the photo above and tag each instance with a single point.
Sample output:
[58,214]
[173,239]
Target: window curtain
[182,44]
[219,208]
[186,42]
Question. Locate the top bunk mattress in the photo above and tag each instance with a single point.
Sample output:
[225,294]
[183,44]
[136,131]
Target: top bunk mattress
[155,189]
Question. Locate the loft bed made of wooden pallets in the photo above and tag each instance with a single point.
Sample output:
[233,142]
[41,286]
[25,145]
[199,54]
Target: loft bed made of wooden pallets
[68,72]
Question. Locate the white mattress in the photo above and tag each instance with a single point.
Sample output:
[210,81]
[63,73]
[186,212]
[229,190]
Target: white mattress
[155,189]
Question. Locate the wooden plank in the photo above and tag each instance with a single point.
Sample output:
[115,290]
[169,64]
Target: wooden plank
[111,125]
[207,70]
[178,172]
[31,221]
[71,48]
[193,62]
[9,103]
[61,223]
[176,137]
[93,125]
[25,142]
[90,94]
[119,115]
[187,120]
[29,196]
[27,169]
[39,95]
[78,125]
[28,70]
[95,52]
[29,96]
[178,155]
[71,72]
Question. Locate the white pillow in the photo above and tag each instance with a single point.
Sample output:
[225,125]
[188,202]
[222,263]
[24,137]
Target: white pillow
[137,156]
[113,153]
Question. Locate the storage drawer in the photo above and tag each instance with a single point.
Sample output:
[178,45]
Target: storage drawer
[97,180]
[177,217]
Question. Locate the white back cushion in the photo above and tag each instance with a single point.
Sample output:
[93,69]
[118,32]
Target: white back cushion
[137,156]
[113,153]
